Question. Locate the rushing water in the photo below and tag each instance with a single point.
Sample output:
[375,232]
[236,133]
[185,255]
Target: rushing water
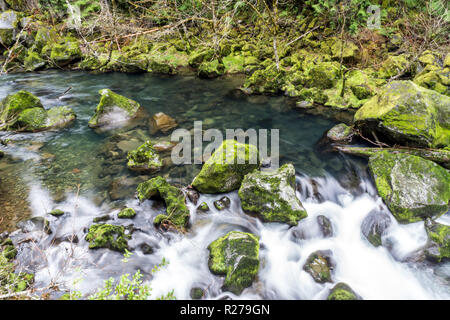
[83,172]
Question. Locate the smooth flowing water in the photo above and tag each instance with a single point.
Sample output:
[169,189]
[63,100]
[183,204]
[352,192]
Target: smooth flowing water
[83,172]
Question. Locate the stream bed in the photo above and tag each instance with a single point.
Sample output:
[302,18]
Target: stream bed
[83,172]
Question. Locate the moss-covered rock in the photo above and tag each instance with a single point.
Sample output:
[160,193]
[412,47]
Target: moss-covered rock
[436,79]
[177,211]
[7,249]
[200,55]
[340,133]
[413,188]
[342,291]
[235,255]
[362,84]
[39,119]
[225,169]
[323,75]
[203,207]
[33,61]
[439,237]
[269,80]
[395,65]
[126,213]
[319,265]
[107,236]
[374,226]
[56,212]
[10,279]
[222,204]
[407,114]
[65,52]
[211,69]
[271,195]
[14,104]
[144,159]
[112,108]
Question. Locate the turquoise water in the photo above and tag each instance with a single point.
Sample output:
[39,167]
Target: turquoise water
[83,172]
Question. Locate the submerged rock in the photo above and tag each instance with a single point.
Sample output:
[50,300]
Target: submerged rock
[126,213]
[235,255]
[319,265]
[406,114]
[439,236]
[226,168]
[162,122]
[177,211]
[413,188]
[144,159]
[113,108]
[271,195]
[342,291]
[107,236]
[374,225]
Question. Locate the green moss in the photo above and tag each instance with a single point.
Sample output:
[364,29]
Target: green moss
[127,213]
[203,207]
[144,158]
[269,80]
[340,132]
[394,65]
[407,114]
[65,52]
[323,75]
[318,265]
[342,291]
[439,234]
[32,119]
[236,255]
[177,211]
[225,169]
[211,69]
[14,104]
[33,61]
[222,203]
[9,279]
[107,236]
[413,188]
[56,212]
[200,55]
[110,102]
[59,116]
[271,195]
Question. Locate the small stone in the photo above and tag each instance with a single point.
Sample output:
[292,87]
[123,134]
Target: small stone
[56,212]
[325,226]
[222,204]
[127,213]
[203,207]
[197,293]
[162,122]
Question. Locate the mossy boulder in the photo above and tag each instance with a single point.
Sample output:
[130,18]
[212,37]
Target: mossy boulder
[126,213]
[407,114]
[319,265]
[436,79]
[269,80]
[33,61]
[39,119]
[177,211]
[144,159]
[340,133]
[439,237]
[270,194]
[235,255]
[211,69]
[413,188]
[362,84]
[200,55]
[225,169]
[14,104]
[323,75]
[65,52]
[342,291]
[113,108]
[374,226]
[107,236]
[56,212]
[395,65]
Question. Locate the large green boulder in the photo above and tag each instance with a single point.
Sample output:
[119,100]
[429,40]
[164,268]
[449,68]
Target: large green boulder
[39,119]
[107,236]
[323,75]
[226,168]
[14,104]
[113,108]
[235,255]
[177,211]
[65,52]
[413,188]
[144,159]
[439,236]
[407,114]
[270,194]
[342,291]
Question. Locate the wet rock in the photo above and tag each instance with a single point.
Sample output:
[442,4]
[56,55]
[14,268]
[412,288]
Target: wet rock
[192,195]
[342,291]
[203,207]
[56,212]
[34,224]
[163,146]
[271,195]
[319,265]
[413,188]
[196,293]
[127,213]
[144,159]
[113,108]
[439,237]
[146,248]
[303,104]
[39,119]
[406,114]
[325,226]
[102,218]
[235,255]
[107,236]
[162,122]
[71,238]
[340,133]
[177,211]
[14,104]
[223,171]
[211,69]
[374,226]
[222,204]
